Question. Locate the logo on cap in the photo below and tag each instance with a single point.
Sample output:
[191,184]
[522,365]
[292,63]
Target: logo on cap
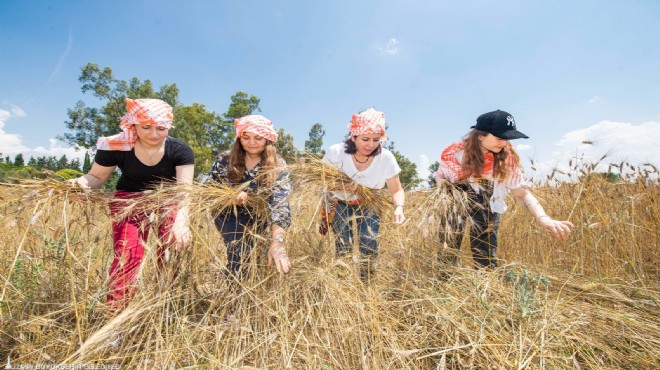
[510,121]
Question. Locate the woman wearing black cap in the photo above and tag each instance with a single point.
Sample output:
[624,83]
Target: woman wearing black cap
[486,167]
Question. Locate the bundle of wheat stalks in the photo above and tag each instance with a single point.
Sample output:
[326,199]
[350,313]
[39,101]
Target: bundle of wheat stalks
[47,189]
[316,176]
[540,315]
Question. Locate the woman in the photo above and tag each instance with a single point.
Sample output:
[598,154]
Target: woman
[146,156]
[253,159]
[486,167]
[362,158]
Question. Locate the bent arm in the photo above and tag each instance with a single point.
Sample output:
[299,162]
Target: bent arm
[96,176]
[184,174]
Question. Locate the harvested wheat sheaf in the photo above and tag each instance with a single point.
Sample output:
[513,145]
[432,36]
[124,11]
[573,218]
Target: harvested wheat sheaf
[591,302]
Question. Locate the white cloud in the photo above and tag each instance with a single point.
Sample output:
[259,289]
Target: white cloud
[16,111]
[11,144]
[55,149]
[391,48]
[523,147]
[423,164]
[594,99]
[604,143]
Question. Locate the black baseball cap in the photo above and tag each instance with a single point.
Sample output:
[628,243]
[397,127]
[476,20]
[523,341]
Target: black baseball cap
[500,124]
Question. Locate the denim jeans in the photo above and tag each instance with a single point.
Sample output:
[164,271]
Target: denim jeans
[236,230]
[368,224]
[483,232]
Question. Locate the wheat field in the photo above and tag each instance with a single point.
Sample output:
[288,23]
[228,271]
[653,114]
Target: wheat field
[589,302]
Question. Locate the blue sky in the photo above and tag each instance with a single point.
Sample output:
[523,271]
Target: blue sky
[568,71]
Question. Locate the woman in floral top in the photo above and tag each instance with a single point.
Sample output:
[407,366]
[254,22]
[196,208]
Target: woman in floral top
[253,160]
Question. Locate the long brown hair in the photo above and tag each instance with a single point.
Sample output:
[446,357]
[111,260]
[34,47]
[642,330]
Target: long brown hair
[473,158]
[237,163]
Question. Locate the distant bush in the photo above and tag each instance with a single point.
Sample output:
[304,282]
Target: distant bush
[67,174]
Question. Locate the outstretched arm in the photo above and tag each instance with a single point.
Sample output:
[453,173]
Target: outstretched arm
[277,252]
[561,229]
[398,198]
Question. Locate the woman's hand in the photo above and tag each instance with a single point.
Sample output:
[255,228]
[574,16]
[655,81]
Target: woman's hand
[351,186]
[241,199]
[79,184]
[182,235]
[277,254]
[399,218]
[561,229]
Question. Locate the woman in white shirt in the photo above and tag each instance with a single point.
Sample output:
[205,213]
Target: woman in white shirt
[362,158]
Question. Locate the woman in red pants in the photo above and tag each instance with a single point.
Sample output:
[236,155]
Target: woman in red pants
[146,156]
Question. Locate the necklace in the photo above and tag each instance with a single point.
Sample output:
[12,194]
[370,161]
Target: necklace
[358,161]
[150,154]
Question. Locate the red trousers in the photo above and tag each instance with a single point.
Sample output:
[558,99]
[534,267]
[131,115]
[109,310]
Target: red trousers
[129,235]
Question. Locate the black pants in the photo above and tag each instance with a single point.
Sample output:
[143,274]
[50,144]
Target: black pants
[483,231]
[237,229]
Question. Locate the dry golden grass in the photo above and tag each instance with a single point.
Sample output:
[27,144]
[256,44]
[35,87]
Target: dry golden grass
[590,302]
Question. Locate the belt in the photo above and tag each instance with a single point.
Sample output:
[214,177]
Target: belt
[351,202]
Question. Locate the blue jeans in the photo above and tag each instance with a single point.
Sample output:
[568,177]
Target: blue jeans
[368,224]
[236,232]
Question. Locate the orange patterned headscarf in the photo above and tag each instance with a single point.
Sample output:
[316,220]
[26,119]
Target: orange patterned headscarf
[255,124]
[370,121]
[451,168]
[138,112]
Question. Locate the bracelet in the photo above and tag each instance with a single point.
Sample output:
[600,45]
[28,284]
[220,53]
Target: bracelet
[540,217]
[398,205]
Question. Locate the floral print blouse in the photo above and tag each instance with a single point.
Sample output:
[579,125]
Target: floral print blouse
[278,203]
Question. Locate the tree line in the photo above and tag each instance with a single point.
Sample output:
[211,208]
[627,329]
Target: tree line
[208,133]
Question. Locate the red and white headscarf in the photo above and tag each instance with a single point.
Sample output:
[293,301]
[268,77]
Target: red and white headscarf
[370,121]
[255,124]
[138,112]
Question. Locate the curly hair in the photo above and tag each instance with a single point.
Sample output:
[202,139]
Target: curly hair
[473,159]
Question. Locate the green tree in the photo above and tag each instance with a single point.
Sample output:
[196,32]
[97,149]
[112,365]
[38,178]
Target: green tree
[87,164]
[242,104]
[88,124]
[206,132]
[74,164]
[19,161]
[198,127]
[432,168]
[408,175]
[285,147]
[314,144]
[61,163]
